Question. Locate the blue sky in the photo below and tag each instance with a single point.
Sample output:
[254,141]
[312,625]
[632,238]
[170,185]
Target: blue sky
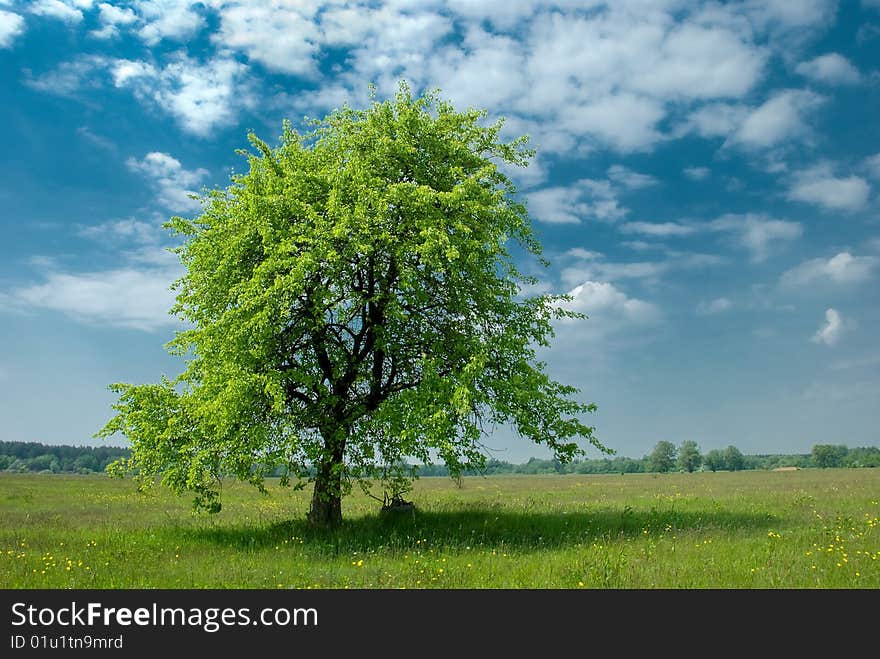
[706,188]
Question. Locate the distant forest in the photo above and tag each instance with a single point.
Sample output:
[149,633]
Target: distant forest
[21,457]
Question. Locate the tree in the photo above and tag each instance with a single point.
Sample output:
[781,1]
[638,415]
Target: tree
[714,460]
[829,455]
[662,458]
[689,458]
[353,302]
[733,459]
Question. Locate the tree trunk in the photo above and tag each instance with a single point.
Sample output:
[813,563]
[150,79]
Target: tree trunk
[327,497]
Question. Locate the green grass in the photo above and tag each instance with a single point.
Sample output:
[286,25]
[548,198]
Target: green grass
[756,529]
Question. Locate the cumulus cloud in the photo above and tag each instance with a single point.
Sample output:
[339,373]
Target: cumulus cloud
[829,333]
[781,118]
[819,185]
[168,19]
[487,71]
[280,36]
[112,17]
[172,182]
[585,199]
[11,26]
[592,63]
[842,268]
[69,11]
[788,23]
[618,72]
[625,122]
[602,300]
[832,68]
[715,119]
[201,96]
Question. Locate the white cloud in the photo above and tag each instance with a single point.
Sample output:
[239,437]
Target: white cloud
[487,71]
[126,230]
[779,119]
[69,77]
[502,13]
[757,233]
[63,11]
[842,268]
[590,59]
[630,179]
[559,205]
[279,35]
[126,297]
[716,119]
[111,18]
[605,303]
[658,228]
[697,173]
[829,333]
[581,253]
[718,305]
[831,68]
[625,122]
[168,19]
[791,22]
[616,72]
[173,183]
[699,62]
[593,267]
[200,96]
[582,200]
[818,185]
[645,270]
[11,26]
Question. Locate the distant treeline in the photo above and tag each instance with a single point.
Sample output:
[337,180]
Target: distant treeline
[47,458]
[30,456]
[843,457]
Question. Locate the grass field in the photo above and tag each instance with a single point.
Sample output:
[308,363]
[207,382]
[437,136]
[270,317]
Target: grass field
[755,529]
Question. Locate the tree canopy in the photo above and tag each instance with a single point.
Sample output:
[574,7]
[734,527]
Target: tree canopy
[662,457]
[352,302]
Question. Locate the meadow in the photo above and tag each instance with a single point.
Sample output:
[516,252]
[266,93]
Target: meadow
[811,528]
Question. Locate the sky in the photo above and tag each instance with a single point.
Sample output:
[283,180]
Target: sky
[705,187]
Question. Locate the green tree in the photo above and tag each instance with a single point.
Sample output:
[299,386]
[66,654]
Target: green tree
[353,301]
[734,460]
[714,460]
[829,455]
[662,458]
[689,458]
